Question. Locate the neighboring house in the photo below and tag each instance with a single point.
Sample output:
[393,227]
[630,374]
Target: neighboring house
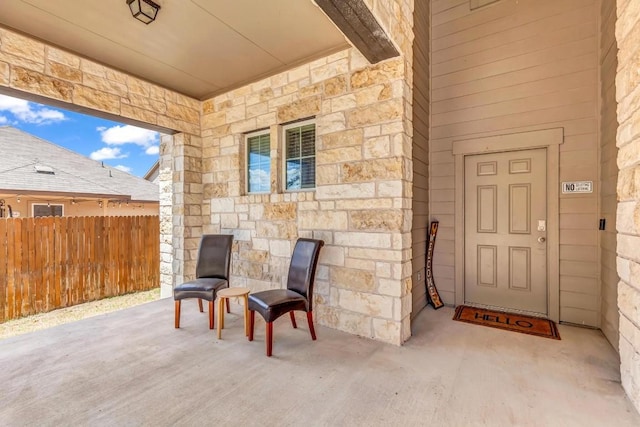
[514,123]
[39,178]
[153,174]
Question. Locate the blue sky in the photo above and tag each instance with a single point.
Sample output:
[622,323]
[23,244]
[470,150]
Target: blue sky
[125,147]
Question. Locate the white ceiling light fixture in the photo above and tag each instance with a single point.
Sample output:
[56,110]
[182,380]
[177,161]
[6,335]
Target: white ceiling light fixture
[144,10]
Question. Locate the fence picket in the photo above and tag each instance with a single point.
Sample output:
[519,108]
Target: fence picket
[48,263]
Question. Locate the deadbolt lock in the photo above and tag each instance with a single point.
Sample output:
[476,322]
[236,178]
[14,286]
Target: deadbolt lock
[541,239]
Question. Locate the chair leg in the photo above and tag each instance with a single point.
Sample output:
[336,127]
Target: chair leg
[211,313]
[293,319]
[228,309]
[252,321]
[177,320]
[269,338]
[311,329]
[200,305]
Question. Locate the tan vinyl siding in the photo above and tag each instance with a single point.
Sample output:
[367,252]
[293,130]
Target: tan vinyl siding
[516,66]
[608,172]
[420,153]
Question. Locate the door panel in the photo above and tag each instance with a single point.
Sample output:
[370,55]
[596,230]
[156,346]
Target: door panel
[505,252]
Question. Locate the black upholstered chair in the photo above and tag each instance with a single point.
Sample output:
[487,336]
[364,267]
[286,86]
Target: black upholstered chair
[212,274]
[273,303]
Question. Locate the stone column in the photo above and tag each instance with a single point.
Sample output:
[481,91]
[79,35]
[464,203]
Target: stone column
[165,178]
[628,213]
[187,205]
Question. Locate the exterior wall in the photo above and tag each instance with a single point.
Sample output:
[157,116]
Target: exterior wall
[516,66]
[420,204]
[361,206]
[81,208]
[628,214]
[608,171]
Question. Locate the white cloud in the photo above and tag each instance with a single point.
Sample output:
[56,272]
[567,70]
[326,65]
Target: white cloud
[153,150]
[29,112]
[3,120]
[126,134]
[107,153]
[123,168]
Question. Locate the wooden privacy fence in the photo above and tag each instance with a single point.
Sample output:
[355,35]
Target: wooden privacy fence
[53,262]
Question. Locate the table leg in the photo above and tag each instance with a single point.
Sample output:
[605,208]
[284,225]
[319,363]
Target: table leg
[246,314]
[220,316]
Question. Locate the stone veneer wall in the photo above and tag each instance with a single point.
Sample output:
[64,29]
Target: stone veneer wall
[628,215]
[361,206]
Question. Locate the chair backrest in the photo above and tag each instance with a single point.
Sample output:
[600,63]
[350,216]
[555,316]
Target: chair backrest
[214,256]
[302,270]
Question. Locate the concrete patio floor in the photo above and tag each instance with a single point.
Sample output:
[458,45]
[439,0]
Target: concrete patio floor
[133,368]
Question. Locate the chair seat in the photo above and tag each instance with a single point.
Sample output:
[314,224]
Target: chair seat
[273,303]
[204,288]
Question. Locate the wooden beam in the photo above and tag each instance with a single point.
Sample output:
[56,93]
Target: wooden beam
[358,24]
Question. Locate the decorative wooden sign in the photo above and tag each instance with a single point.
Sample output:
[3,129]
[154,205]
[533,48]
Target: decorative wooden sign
[433,297]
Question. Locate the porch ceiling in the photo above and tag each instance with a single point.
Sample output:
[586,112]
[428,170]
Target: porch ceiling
[133,368]
[195,47]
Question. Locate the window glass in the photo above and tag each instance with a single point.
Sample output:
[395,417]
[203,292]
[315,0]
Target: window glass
[47,210]
[300,157]
[258,163]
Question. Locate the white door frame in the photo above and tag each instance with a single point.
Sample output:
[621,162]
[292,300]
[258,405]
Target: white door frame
[547,138]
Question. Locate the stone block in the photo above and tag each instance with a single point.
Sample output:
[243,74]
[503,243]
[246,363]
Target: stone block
[380,73]
[64,72]
[229,220]
[387,331]
[344,154]
[21,46]
[323,220]
[347,138]
[363,240]
[335,86]
[366,303]
[331,255]
[223,205]
[62,57]
[277,230]
[96,99]
[4,73]
[346,191]
[330,123]
[376,220]
[208,107]
[138,113]
[373,170]
[302,108]
[280,211]
[374,114]
[113,87]
[352,279]
[353,323]
[181,112]
[17,61]
[376,148]
[40,84]
[329,70]
[280,248]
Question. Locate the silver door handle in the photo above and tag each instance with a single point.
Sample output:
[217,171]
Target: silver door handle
[541,239]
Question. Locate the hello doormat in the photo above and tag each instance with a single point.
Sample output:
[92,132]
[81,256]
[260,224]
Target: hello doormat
[508,321]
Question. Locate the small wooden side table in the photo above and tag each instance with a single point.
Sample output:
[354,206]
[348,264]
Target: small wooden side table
[225,294]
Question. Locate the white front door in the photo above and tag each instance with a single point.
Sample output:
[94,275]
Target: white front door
[505,230]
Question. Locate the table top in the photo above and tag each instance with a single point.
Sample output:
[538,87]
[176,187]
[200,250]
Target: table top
[233,292]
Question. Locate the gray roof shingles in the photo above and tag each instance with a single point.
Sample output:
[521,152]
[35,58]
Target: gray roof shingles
[74,174]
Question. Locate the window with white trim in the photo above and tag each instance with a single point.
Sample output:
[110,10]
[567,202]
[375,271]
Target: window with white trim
[300,155]
[258,162]
[47,209]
